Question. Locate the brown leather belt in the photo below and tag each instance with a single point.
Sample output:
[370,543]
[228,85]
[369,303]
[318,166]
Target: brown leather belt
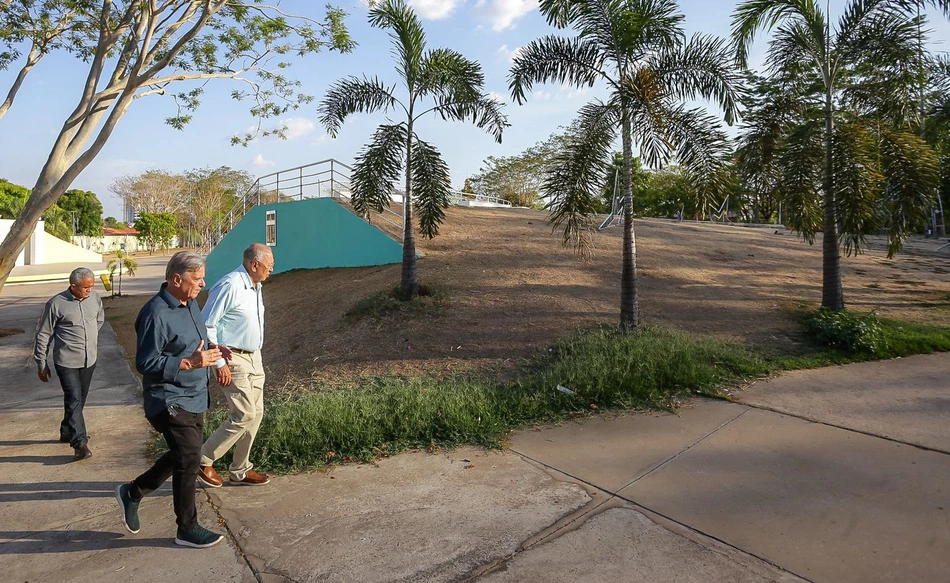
[240,351]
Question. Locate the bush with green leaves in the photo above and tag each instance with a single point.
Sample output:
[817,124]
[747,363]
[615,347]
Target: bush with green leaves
[848,331]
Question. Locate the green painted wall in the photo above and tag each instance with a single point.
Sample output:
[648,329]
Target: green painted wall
[311,234]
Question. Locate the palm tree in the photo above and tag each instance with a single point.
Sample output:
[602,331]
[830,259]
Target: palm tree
[454,85]
[638,48]
[851,161]
[121,261]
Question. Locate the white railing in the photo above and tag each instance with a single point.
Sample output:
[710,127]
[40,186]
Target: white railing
[326,178]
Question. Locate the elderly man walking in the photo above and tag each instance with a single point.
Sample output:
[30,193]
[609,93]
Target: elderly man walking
[234,315]
[70,325]
[173,353]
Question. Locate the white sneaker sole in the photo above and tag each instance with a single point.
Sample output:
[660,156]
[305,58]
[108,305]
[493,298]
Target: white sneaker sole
[118,497]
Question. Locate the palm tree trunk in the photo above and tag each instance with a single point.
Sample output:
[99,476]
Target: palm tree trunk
[832,296]
[409,282]
[629,299]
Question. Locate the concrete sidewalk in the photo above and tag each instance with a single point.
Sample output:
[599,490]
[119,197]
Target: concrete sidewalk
[794,485]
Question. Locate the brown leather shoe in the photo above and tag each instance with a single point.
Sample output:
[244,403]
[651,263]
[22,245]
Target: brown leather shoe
[252,478]
[208,477]
[82,452]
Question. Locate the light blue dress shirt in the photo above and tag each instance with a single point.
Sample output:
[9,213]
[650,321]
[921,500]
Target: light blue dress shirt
[234,312]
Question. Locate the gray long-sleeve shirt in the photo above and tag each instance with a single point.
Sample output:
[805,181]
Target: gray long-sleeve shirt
[71,327]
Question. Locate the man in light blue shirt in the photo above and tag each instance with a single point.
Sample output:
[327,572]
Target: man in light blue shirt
[234,316]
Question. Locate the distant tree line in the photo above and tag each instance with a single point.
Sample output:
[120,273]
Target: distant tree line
[196,201]
[77,212]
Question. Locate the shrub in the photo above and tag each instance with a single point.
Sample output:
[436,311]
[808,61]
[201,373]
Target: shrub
[847,331]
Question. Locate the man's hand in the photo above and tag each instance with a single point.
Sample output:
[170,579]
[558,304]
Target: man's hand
[224,375]
[225,352]
[200,358]
[44,375]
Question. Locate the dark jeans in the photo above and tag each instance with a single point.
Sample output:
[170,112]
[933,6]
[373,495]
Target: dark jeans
[75,382]
[183,433]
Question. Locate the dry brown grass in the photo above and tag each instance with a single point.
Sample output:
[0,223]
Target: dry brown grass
[512,290]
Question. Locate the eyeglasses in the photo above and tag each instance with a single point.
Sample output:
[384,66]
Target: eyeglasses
[269,268]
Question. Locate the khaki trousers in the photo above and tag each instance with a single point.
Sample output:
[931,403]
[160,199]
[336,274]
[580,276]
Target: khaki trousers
[245,397]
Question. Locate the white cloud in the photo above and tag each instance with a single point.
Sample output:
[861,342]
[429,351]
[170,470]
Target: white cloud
[260,162]
[434,9]
[298,127]
[502,14]
[508,54]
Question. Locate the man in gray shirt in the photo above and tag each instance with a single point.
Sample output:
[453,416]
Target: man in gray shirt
[70,326]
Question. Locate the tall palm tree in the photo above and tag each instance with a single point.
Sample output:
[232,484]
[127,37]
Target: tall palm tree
[454,85]
[638,49]
[851,161]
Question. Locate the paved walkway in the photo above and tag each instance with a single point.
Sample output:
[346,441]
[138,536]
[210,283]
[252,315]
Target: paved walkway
[833,475]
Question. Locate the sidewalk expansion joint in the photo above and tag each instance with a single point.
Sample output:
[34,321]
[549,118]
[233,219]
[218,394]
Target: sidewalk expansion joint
[684,450]
[845,428]
[227,527]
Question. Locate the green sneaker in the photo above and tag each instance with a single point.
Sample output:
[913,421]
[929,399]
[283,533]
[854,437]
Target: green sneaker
[129,508]
[199,537]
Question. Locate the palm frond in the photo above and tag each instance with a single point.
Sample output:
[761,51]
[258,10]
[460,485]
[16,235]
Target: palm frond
[799,187]
[703,151]
[702,69]
[408,36]
[793,46]
[754,15]
[430,187]
[376,167]
[912,175]
[445,73]
[553,59]
[577,173]
[857,184]
[353,95]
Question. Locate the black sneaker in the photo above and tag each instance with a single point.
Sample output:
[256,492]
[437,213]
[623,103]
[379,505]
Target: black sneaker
[199,537]
[129,508]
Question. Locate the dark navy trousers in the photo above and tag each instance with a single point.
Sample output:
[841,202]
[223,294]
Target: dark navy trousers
[75,383]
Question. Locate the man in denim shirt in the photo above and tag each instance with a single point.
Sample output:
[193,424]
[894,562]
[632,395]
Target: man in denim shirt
[70,326]
[173,353]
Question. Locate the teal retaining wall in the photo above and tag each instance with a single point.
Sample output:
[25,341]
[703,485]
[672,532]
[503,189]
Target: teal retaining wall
[311,234]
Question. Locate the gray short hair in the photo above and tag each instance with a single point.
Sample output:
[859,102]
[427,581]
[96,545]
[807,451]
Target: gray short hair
[183,262]
[255,252]
[81,273]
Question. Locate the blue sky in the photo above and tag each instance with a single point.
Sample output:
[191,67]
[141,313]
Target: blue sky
[488,31]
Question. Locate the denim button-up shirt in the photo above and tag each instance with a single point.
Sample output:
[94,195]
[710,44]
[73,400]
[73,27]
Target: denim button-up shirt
[167,332]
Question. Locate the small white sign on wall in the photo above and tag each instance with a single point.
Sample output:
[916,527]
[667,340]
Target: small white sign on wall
[270,228]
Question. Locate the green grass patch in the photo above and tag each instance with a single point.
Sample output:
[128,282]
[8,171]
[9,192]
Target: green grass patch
[388,302]
[600,370]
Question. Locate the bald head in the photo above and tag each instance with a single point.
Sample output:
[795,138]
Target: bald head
[258,261]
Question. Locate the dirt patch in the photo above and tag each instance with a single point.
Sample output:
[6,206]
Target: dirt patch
[4,332]
[511,290]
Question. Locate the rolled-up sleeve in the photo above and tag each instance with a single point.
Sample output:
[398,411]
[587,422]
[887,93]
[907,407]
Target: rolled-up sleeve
[44,334]
[149,360]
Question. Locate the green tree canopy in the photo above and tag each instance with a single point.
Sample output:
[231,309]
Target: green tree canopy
[836,136]
[157,230]
[87,209]
[173,49]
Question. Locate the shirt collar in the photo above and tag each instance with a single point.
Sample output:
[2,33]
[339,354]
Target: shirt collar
[171,300]
[246,278]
